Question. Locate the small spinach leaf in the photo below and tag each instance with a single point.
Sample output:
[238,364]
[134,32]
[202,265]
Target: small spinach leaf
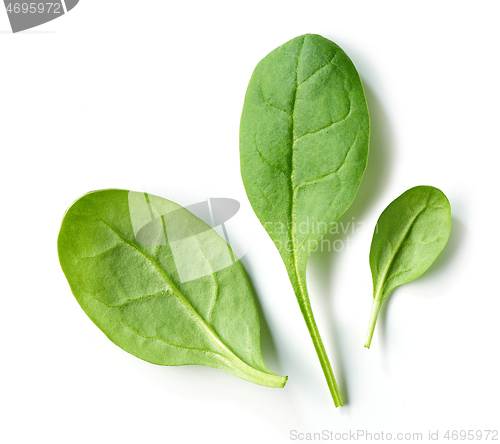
[303,146]
[408,237]
[162,284]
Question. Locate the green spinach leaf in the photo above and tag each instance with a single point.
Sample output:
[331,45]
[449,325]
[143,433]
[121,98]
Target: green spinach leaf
[162,284]
[408,237]
[304,137]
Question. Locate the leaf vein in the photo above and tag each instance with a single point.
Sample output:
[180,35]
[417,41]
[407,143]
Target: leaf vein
[399,273]
[295,251]
[328,126]
[272,206]
[397,248]
[266,160]
[99,254]
[270,104]
[216,282]
[333,201]
[197,318]
[320,68]
[422,243]
[128,301]
[332,172]
[170,344]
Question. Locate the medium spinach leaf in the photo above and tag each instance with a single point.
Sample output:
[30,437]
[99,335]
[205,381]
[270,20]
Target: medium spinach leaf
[408,237]
[304,136]
[162,284]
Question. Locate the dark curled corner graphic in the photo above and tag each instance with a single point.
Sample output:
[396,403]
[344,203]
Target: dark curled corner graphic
[28,14]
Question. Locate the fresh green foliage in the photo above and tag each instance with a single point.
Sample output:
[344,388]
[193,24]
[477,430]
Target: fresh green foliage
[162,284]
[303,144]
[410,234]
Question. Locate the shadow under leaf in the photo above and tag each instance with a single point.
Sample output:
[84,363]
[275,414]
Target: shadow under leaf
[444,260]
[376,176]
[267,344]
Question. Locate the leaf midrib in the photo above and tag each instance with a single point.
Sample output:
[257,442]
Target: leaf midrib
[229,354]
[294,189]
[396,251]
[293,227]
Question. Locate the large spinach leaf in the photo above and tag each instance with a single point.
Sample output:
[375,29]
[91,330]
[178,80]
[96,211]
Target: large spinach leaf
[304,137]
[410,234]
[162,284]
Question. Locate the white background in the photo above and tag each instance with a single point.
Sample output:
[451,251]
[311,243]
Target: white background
[147,96]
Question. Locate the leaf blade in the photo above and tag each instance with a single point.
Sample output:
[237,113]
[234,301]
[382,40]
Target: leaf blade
[422,230]
[304,136]
[134,293]
[409,236]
